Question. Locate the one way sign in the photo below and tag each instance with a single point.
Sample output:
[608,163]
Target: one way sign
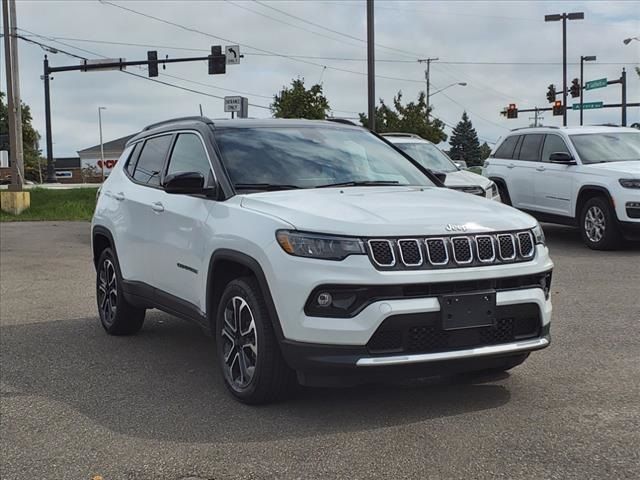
[233,54]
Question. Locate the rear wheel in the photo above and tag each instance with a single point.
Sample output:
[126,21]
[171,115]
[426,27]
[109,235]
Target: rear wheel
[598,225]
[118,317]
[248,352]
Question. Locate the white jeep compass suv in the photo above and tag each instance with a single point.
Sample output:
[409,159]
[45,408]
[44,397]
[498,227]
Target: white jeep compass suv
[315,251]
[587,177]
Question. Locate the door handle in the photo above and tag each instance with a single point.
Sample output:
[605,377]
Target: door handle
[511,165]
[157,207]
[540,169]
[118,196]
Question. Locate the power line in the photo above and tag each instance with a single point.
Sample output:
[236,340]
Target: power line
[281,55]
[288,23]
[51,49]
[403,52]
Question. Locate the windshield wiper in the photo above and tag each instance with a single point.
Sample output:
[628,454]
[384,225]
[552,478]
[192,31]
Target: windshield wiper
[264,186]
[366,183]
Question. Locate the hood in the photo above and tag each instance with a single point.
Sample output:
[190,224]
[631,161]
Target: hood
[386,211]
[463,178]
[631,167]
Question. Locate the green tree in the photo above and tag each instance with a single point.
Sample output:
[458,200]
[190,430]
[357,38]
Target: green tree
[300,102]
[485,151]
[33,163]
[464,142]
[409,118]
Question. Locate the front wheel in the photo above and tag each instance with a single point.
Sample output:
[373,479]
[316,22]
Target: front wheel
[248,352]
[598,225]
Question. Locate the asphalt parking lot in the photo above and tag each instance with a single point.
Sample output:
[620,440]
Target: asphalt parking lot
[76,403]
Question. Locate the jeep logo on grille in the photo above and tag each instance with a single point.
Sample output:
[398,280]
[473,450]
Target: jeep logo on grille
[455,228]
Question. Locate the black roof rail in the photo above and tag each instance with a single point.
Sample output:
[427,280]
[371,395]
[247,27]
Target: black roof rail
[401,134]
[343,120]
[194,118]
[541,126]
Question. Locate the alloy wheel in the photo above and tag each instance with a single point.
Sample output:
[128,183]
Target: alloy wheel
[107,291]
[595,224]
[239,343]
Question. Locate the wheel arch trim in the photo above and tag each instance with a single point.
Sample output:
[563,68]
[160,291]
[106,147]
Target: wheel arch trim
[598,188]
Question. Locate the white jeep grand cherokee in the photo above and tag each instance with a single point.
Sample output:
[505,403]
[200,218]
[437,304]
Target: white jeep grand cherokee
[315,250]
[587,177]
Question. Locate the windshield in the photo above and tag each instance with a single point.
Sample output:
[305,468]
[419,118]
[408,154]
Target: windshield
[308,157]
[607,147]
[429,156]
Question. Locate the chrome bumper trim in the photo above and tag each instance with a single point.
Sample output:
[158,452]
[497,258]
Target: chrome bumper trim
[514,347]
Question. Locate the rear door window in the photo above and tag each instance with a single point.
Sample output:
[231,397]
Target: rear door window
[151,161]
[530,149]
[508,146]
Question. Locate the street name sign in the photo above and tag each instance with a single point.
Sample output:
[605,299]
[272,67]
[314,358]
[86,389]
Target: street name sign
[587,105]
[599,83]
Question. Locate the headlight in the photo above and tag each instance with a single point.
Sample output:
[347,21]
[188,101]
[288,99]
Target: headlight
[630,182]
[492,190]
[313,245]
[538,234]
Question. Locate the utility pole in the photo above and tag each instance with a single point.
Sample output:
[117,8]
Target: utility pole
[371,67]
[536,116]
[564,17]
[101,144]
[427,79]
[51,175]
[588,58]
[13,94]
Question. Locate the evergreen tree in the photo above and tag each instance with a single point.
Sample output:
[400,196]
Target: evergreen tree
[485,151]
[464,142]
[299,102]
[409,118]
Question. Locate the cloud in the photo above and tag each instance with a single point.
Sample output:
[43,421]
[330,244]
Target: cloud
[454,31]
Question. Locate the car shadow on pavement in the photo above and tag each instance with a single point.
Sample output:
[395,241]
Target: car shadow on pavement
[164,384]
[564,236]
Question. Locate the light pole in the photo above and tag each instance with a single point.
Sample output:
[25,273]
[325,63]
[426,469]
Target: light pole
[564,17]
[101,144]
[371,67]
[588,58]
[462,84]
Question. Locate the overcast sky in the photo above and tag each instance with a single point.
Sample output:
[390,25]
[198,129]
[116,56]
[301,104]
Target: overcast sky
[471,39]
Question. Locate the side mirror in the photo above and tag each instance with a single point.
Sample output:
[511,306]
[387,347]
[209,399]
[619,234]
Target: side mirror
[563,158]
[184,182]
[439,175]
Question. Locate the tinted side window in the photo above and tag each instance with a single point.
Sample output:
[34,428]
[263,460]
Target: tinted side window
[189,155]
[530,149]
[151,160]
[133,158]
[553,144]
[506,149]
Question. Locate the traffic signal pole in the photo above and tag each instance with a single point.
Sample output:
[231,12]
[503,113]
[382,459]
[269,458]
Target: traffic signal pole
[216,65]
[581,88]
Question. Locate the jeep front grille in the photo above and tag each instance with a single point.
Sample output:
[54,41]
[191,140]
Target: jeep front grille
[451,251]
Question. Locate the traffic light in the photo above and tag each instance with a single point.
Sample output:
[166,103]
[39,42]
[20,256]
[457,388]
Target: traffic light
[152,59]
[512,111]
[217,61]
[575,88]
[551,93]
[558,108]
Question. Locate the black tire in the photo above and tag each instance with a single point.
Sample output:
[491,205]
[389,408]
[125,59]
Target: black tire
[118,317]
[252,365]
[504,194]
[598,225]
